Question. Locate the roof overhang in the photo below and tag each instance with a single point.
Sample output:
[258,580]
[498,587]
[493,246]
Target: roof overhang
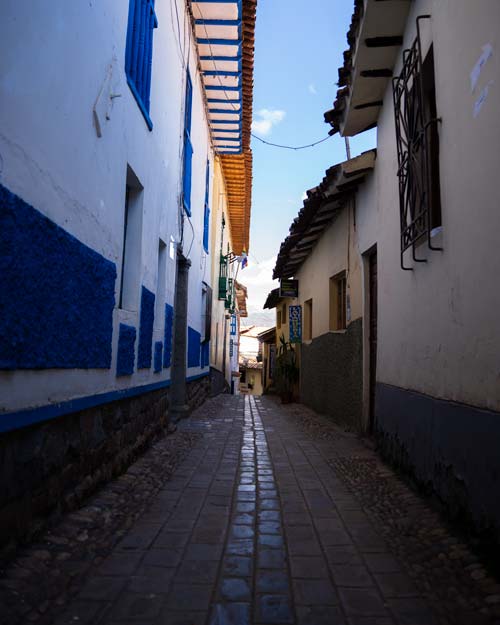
[321,207]
[374,38]
[272,299]
[225,36]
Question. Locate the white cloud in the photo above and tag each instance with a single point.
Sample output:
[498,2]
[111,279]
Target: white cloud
[258,278]
[312,88]
[304,196]
[268,119]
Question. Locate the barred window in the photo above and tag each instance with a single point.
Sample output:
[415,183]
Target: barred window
[417,138]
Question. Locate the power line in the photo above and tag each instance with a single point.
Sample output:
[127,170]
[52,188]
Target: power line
[291,147]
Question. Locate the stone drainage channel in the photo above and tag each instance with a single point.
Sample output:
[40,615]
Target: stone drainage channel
[255,558]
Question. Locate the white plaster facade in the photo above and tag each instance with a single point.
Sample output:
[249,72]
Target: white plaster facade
[61,72]
[438,324]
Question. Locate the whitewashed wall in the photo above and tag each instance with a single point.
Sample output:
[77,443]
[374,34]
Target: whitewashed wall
[438,325]
[54,63]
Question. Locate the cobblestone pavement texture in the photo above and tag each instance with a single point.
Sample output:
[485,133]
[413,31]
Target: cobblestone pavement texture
[278,516]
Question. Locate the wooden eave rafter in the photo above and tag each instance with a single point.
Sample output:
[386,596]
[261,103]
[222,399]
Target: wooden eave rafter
[322,205]
[237,20]
[374,37]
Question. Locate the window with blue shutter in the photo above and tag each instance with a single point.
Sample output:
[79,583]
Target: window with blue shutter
[139,52]
[206,218]
[188,148]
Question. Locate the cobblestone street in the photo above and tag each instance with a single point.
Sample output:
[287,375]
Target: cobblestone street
[277,516]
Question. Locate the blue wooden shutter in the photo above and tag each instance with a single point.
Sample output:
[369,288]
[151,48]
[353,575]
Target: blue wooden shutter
[206,219]
[139,52]
[188,148]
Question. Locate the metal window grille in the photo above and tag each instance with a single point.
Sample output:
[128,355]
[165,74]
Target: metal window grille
[413,124]
[139,52]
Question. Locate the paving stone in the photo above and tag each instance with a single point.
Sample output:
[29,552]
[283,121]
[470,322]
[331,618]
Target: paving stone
[382,563]
[169,617]
[199,551]
[237,566]
[230,614]
[319,615]
[272,581]
[243,547]
[120,563]
[269,515]
[197,571]
[245,506]
[136,606]
[271,558]
[242,531]
[362,602]
[187,596]
[150,579]
[274,609]
[273,541]
[354,576]
[314,592]
[243,519]
[235,589]
[309,567]
[269,527]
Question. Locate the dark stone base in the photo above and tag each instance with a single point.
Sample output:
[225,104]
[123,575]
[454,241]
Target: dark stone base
[331,378]
[53,466]
[451,450]
[218,382]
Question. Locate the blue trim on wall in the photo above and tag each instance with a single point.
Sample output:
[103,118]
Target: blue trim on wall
[158,356]
[57,295]
[17,420]
[193,351]
[167,342]
[144,354]
[205,354]
[126,350]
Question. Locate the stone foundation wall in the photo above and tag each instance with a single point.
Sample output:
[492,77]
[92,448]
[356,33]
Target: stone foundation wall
[451,450]
[331,377]
[217,382]
[52,466]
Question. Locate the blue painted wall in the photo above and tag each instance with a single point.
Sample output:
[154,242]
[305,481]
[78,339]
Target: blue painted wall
[205,354]
[193,352]
[167,343]
[158,356]
[146,329]
[56,294]
[126,350]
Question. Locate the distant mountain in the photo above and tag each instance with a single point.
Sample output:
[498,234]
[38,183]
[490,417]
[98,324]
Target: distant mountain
[264,318]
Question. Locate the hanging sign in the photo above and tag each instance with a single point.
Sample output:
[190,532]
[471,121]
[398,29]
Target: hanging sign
[289,288]
[295,316]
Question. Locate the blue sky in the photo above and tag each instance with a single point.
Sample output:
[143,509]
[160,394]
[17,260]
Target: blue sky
[298,49]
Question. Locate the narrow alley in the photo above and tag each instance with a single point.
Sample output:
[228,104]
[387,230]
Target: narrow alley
[274,516]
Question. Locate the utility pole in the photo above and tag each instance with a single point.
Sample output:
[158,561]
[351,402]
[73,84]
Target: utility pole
[347,148]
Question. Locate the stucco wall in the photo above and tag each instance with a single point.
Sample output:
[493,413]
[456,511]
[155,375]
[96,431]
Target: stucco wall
[438,324]
[336,251]
[56,67]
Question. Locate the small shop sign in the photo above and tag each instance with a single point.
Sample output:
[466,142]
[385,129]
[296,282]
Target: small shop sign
[289,288]
[295,316]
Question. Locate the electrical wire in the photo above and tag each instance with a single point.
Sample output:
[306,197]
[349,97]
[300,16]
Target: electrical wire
[290,147]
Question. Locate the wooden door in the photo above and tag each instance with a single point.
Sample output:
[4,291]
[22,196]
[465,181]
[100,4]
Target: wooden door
[373,333]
